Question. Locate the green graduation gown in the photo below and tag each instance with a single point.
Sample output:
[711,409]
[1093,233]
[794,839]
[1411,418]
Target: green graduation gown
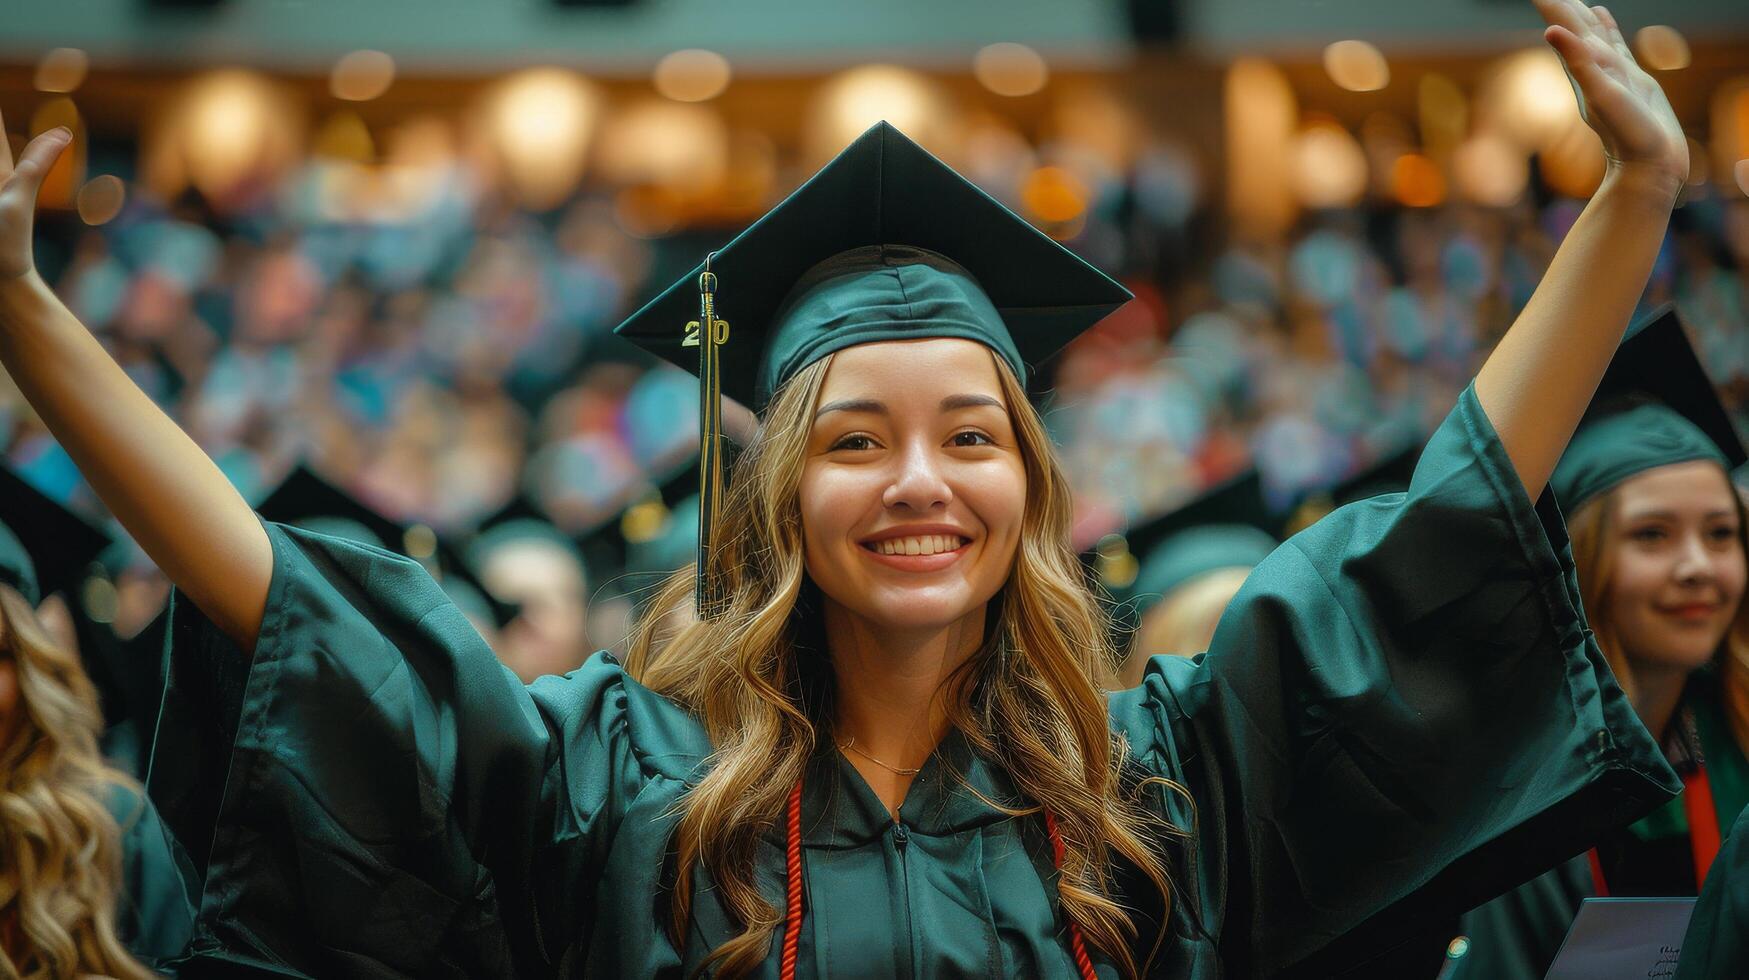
[1716,946]
[1402,714]
[154,916]
[1516,936]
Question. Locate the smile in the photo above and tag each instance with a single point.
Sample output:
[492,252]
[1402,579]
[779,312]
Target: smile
[920,544]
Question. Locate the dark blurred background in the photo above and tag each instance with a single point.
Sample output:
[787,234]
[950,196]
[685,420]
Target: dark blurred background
[390,238]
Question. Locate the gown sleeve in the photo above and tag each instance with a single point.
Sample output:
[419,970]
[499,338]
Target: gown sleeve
[1402,714]
[154,916]
[372,793]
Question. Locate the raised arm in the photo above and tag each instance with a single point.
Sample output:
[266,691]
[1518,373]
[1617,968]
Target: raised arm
[1537,383]
[152,476]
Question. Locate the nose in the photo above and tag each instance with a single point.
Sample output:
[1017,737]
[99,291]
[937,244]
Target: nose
[918,485]
[1694,563]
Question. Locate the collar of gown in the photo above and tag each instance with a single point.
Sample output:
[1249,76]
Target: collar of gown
[840,810]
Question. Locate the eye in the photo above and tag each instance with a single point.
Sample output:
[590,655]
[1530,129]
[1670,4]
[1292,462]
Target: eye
[1723,533]
[1648,534]
[971,437]
[854,442]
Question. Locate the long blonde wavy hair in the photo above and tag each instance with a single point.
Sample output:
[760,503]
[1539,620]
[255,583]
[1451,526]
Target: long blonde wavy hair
[60,849]
[1031,699]
[1594,536]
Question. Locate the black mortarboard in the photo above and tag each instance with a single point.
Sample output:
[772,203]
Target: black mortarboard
[1655,406]
[1389,474]
[1229,525]
[885,243]
[52,548]
[307,500]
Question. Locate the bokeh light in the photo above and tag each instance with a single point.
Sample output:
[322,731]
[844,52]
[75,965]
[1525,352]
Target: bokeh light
[61,70]
[674,144]
[68,172]
[541,122]
[1528,98]
[692,75]
[850,102]
[344,136]
[1416,181]
[1490,170]
[1573,163]
[1052,195]
[223,131]
[1662,48]
[101,199]
[1357,66]
[361,76]
[1261,117]
[1010,69]
[1328,166]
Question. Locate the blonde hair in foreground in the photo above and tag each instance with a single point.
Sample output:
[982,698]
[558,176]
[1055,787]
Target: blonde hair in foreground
[1593,535]
[1032,699]
[60,849]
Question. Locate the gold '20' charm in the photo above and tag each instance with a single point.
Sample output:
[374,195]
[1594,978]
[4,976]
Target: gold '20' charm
[721,332]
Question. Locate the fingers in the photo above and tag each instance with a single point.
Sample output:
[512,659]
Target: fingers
[1573,16]
[37,158]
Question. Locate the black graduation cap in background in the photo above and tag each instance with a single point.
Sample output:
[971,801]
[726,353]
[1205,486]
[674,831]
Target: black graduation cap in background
[61,545]
[1657,361]
[1655,406]
[307,500]
[1238,500]
[1389,474]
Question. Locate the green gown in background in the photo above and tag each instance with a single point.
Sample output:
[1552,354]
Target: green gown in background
[1716,946]
[1402,714]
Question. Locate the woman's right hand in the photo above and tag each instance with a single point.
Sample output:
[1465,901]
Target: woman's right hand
[18,188]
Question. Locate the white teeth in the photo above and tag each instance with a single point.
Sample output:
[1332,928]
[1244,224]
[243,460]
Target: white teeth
[926,544]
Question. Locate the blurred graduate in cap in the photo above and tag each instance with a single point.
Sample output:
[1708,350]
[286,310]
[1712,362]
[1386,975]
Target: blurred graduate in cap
[884,745]
[1185,567]
[521,558]
[1658,544]
[91,881]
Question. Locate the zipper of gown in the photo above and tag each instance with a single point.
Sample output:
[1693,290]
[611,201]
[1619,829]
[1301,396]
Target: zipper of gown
[901,838]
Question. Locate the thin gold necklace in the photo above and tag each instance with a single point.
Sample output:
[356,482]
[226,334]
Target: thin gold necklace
[850,746]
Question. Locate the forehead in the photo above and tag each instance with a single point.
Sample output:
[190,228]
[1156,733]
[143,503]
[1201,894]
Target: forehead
[1697,486]
[898,371]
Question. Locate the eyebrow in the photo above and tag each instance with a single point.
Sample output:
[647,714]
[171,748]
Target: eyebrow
[1670,515]
[873,406]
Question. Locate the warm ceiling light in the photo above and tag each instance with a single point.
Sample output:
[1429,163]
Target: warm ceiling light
[61,70]
[101,199]
[1357,66]
[1662,47]
[1329,167]
[362,76]
[692,75]
[1010,69]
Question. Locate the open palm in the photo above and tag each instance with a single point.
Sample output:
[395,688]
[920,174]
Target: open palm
[18,187]
[1617,98]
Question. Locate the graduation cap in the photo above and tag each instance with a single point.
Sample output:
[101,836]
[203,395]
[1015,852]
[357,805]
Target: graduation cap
[1229,526]
[1389,474]
[44,546]
[307,500]
[884,243]
[1654,407]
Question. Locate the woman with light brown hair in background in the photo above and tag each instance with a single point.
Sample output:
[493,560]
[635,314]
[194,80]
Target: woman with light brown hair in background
[88,879]
[1659,549]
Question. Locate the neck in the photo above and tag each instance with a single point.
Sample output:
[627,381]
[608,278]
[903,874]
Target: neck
[890,682]
[1656,695]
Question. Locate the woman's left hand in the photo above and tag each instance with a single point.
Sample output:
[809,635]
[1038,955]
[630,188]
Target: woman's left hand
[1624,105]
